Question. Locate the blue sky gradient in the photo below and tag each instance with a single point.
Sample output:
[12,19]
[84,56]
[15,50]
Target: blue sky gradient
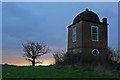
[48,22]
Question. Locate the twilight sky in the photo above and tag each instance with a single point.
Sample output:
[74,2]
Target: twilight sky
[48,22]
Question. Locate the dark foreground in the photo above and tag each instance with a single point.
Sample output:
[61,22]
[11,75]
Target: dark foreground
[40,73]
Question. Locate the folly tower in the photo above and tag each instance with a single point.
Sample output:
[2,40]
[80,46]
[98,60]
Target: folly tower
[88,35]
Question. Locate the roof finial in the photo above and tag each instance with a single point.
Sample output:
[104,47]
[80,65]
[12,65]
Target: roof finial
[87,9]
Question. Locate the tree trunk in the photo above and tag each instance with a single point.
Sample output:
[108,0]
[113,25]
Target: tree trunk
[33,62]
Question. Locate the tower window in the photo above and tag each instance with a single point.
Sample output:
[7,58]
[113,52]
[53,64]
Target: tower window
[94,33]
[74,35]
[95,52]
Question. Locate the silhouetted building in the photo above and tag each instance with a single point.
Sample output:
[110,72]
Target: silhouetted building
[88,35]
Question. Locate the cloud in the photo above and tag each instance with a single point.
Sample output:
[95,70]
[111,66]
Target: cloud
[11,42]
[19,20]
[45,22]
[21,23]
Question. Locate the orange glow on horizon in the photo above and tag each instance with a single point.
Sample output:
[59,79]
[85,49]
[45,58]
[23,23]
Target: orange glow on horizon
[22,62]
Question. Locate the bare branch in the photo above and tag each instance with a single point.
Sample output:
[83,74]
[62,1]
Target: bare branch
[28,59]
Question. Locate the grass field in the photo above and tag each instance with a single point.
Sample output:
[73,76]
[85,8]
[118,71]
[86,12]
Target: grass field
[49,72]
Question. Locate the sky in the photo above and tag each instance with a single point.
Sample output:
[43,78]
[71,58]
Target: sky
[47,21]
[1,33]
[60,0]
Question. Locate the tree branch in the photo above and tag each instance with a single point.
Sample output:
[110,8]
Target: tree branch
[28,59]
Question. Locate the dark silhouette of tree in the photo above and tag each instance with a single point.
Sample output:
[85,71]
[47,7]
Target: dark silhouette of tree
[33,50]
[114,55]
[59,56]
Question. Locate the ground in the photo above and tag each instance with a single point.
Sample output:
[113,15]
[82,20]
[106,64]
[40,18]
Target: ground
[49,72]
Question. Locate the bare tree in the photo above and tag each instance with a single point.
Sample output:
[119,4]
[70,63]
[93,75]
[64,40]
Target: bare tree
[59,56]
[114,55]
[33,50]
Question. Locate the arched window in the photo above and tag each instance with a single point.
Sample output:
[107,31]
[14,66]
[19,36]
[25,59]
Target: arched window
[95,52]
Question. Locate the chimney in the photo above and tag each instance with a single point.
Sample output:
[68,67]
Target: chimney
[104,20]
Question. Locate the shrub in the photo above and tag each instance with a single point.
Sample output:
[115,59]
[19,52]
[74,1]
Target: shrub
[88,59]
[85,62]
[59,56]
[114,55]
[71,58]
